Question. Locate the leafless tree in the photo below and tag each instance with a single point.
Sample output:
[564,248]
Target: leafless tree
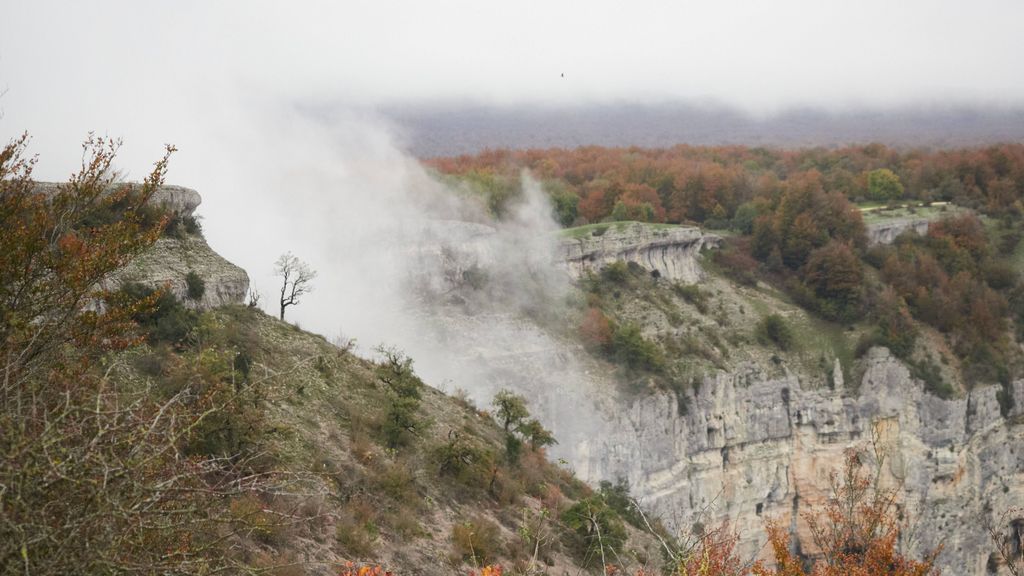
[1006,531]
[296,277]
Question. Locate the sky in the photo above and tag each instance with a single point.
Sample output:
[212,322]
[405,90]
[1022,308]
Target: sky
[148,71]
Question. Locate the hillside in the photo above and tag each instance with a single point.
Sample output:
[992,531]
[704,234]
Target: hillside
[158,423]
[153,423]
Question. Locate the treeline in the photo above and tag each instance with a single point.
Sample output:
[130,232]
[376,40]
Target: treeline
[801,229]
[710,184]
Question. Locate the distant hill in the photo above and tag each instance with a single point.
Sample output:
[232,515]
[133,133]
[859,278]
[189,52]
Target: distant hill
[445,130]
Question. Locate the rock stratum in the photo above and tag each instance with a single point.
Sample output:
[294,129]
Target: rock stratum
[169,261]
[670,252]
[886,232]
[748,447]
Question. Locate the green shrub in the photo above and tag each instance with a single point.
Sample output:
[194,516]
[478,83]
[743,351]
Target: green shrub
[617,272]
[596,531]
[196,286]
[618,498]
[774,329]
[630,348]
[180,226]
[928,372]
[461,459]
[166,320]
[694,295]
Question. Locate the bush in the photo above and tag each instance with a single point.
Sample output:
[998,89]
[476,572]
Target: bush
[630,348]
[597,533]
[928,372]
[773,328]
[180,226]
[694,295]
[617,272]
[618,498]
[196,286]
[477,541]
[167,321]
[354,539]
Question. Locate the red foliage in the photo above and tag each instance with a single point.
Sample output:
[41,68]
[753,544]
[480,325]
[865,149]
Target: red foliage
[595,330]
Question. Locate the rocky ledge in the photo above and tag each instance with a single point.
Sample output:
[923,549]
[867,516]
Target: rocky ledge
[887,231]
[177,199]
[668,252]
[168,263]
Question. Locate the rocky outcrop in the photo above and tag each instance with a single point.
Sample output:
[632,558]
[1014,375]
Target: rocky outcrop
[748,446]
[670,252]
[177,199]
[887,231]
[168,263]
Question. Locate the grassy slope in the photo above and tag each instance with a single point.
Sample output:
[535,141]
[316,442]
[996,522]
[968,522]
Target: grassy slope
[320,413]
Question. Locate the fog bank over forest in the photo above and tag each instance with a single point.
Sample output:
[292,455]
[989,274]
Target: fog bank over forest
[449,128]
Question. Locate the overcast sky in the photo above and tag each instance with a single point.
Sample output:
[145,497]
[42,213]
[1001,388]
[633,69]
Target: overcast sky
[152,71]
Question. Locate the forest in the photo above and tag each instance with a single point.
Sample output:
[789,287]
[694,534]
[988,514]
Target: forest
[797,220]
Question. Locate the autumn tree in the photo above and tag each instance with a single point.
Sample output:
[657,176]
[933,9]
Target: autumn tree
[857,532]
[93,476]
[296,279]
[835,274]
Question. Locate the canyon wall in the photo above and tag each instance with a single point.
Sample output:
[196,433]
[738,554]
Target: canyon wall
[669,252]
[748,447]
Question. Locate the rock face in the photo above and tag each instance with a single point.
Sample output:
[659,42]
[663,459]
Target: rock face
[748,447]
[887,231]
[168,262]
[171,259]
[669,252]
[178,199]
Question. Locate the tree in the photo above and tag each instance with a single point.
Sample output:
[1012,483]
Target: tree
[835,274]
[296,277]
[92,473]
[857,533]
[884,185]
[511,409]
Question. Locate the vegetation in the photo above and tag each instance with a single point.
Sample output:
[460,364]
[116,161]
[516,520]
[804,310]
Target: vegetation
[296,280]
[801,219]
[773,329]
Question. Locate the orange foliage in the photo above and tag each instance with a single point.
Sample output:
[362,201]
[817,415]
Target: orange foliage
[595,328]
[857,534]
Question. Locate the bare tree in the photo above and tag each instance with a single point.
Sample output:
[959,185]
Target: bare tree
[296,276]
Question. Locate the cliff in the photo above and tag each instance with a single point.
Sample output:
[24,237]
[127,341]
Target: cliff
[668,251]
[749,447]
[168,263]
[885,232]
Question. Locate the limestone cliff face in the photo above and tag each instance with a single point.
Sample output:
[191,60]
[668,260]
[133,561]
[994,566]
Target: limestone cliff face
[887,231]
[671,252]
[170,260]
[178,199]
[749,446]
